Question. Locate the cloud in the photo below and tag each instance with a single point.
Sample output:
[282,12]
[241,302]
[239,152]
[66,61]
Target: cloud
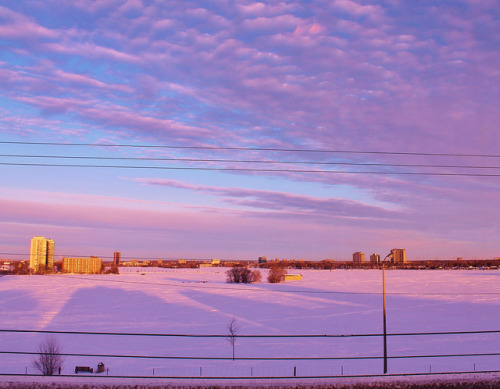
[91,50]
[20,27]
[276,23]
[284,202]
[356,9]
[83,80]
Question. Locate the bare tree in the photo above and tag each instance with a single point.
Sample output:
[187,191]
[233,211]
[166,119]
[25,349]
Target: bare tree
[233,329]
[49,356]
[256,276]
[276,274]
[244,275]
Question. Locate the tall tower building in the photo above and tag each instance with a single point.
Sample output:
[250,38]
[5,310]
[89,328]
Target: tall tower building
[116,258]
[398,255]
[41,253]
[358,257]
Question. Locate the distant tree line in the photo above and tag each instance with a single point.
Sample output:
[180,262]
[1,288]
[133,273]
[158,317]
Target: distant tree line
[430,264]
[22,267]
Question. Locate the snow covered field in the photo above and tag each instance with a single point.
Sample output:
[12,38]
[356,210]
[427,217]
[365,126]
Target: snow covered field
[185,301]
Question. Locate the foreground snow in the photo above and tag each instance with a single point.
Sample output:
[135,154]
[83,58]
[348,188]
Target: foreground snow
[184,301]
[462,381]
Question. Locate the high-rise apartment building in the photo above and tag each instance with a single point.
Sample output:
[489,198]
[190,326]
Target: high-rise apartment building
[116,258]
[42,253]
[398,255]
[358,257]
[374,258]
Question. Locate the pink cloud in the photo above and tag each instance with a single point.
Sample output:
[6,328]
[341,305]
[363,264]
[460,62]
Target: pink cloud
[267,9]
[356,9]
[52,105]
[282,22]
[284,202]
[19,26]
[93,6]
[91,50]
[80,79]
[164,24]
[124,118]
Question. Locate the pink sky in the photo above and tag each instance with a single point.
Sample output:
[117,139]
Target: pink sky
[386,76]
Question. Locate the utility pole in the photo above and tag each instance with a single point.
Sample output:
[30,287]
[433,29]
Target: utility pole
[384,313]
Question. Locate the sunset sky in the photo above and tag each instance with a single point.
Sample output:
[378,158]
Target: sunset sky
[346,91]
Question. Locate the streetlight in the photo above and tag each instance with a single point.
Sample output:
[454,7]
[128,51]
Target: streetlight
[384,312]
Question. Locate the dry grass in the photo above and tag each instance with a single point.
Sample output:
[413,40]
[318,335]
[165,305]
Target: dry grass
[480,384]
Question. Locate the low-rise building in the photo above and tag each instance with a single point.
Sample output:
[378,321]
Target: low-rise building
[92,265]
[292,277]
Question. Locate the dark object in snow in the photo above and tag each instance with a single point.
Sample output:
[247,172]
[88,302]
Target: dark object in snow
[100,367]
[86,369]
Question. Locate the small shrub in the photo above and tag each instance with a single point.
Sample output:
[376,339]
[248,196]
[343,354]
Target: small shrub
[244,275]
[276,274]
[256,275]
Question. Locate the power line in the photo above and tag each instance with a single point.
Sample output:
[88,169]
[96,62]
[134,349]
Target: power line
[255,358]
[249,169]
[250,336]
[297,150]
[83,157]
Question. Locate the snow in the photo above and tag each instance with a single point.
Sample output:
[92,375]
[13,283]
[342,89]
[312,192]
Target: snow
[199,301]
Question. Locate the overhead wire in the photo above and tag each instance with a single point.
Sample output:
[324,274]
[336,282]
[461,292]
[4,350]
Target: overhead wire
[254,358]
[273,336]
[230,168]
[78,157]
[249,169]
[296,150]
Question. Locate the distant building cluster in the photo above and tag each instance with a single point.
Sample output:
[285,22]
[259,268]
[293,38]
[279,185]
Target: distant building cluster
[42,259]
[396,256]
[90,265]
[42,253]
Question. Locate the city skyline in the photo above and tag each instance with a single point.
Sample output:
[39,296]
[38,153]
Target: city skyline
[241,129]
[42,251]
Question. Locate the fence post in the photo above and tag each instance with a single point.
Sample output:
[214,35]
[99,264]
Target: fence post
[474,366]
[295,371]
[26,370]
[251,372]
[153,371]
[200,372]
[430,368]
[342,370]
